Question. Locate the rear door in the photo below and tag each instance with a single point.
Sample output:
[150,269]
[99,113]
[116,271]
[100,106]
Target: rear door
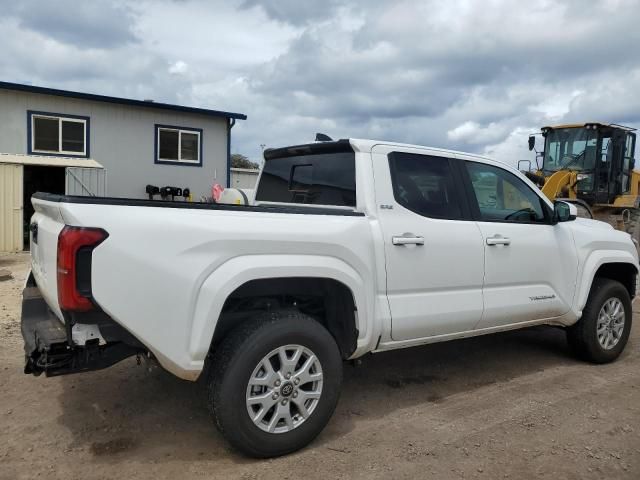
[11,208]
[530,264]
[86,181]
[434,251]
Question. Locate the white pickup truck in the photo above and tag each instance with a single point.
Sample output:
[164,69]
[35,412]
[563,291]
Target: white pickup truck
[351,247]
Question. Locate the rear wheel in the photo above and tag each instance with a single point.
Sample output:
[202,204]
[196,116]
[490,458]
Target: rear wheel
[602,333]
[274,383]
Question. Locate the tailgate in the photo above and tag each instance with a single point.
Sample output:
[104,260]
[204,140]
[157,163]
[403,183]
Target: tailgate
[44,227]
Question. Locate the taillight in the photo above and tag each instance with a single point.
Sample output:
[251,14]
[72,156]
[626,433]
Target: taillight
[71,242]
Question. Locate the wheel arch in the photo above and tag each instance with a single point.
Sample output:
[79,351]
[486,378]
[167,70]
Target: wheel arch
[625,273]
[261,275]
[332,300]
[614,265]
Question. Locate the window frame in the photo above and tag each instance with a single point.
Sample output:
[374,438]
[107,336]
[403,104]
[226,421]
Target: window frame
[460,188]
[61,117]
[186,163]
[475,206]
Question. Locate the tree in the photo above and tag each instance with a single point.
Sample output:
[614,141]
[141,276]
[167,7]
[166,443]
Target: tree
[240,161]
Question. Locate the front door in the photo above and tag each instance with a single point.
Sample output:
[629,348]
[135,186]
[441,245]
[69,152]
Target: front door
[434,251]
[530,264]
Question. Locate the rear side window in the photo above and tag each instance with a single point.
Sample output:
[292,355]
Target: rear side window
[425,185]
[316,179]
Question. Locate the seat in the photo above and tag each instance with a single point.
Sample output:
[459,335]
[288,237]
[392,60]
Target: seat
[438,203]
[410,191]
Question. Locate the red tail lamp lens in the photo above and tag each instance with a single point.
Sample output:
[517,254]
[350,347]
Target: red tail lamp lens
[70,241]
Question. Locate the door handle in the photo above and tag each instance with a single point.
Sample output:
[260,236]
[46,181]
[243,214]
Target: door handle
[408,239]
[498,240]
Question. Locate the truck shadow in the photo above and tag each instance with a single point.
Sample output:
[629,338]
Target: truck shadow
[127,410]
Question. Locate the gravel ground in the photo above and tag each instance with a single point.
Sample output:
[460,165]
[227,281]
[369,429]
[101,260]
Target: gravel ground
[513,405]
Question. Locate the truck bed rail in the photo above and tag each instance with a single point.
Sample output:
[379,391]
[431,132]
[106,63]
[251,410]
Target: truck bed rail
[133,202]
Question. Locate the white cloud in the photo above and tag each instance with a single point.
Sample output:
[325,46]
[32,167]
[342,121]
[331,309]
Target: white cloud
[514,148]
[473,133]
[178,68]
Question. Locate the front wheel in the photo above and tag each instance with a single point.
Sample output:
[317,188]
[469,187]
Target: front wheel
[275,383]
[602,333]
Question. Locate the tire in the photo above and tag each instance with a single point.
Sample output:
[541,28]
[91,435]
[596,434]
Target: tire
[584,338]
[241,358]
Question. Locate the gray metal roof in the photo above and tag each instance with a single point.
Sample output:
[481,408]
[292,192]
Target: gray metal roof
[122,101]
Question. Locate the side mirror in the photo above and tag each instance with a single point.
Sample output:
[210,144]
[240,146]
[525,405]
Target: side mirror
[532,142]
[564,212]
[524,162]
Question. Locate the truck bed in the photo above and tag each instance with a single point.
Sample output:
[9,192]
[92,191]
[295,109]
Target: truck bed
[161,272]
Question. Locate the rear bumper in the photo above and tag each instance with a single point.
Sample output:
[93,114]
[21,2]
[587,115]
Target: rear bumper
[48,343]
[43,334]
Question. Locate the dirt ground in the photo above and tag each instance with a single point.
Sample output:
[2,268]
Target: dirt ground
[512,405]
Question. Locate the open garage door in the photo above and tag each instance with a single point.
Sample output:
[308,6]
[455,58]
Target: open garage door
[11,218]
[83,181]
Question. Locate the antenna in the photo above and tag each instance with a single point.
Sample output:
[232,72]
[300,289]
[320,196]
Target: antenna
[321,137]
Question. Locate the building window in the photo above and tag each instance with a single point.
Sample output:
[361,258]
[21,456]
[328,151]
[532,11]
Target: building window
[53,134]
[177,145]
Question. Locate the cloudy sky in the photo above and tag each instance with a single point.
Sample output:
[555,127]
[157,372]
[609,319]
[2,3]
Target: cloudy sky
[469,75]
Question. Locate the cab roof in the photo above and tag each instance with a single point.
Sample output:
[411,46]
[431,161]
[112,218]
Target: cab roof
[353,145]
[582,125]
[363,145]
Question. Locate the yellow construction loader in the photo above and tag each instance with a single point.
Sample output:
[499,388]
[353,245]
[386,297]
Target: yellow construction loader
[592,166]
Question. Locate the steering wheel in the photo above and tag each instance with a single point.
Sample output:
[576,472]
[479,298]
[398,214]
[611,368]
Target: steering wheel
[531,213]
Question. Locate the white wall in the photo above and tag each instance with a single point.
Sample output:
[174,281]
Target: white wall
[244,178]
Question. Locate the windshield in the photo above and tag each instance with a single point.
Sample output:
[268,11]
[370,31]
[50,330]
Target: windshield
[570,148]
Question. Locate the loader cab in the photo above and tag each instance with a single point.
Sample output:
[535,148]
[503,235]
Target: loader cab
[602,155]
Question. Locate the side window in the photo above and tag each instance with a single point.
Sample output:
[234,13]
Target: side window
[606,153]
[502,196]
[425,185]
[628,162]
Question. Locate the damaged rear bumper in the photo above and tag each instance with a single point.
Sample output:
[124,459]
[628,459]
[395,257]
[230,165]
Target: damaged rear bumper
[49,346]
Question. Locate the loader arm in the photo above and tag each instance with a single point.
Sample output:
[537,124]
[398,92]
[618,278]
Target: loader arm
[560,184]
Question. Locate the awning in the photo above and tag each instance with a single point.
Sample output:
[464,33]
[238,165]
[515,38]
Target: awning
[45,161]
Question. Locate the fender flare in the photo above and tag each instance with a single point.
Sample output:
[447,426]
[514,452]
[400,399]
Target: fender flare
[591,265]
[237,271]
